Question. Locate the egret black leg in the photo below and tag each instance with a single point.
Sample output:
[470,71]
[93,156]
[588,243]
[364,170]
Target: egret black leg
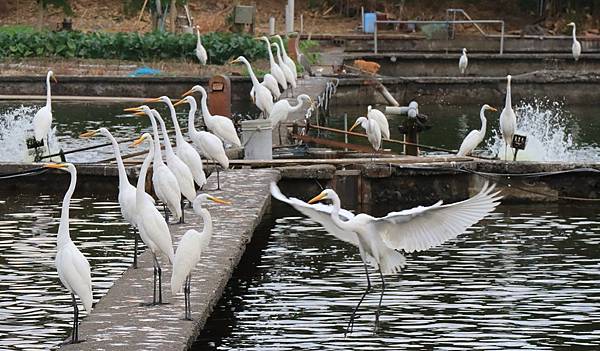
[279,132]
[166,210]
[351,321]
[74,333]
[135,248]
[187,291]
[218,179]
[154,281]
[181,220]
[380,300]
[160,301]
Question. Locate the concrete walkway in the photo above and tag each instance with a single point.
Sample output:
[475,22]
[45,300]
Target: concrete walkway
[118,322]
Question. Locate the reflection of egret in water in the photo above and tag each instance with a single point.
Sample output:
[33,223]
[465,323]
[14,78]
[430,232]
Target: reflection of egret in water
[551,135]
[15,129]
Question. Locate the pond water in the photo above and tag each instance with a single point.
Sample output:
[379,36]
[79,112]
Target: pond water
[526,278]
[35,309]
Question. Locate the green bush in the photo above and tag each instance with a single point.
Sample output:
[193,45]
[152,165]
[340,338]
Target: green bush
[221,47]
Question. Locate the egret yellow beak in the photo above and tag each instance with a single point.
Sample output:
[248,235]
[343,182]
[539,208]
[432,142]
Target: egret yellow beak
[152,100]
[55,165]
[141,113]
[132,109]
[321,196]
[233,61]
[54,79]
[88,134]
[189,92]
[493,109]
[137,141]
[179,102]
[354,126]
[219,201]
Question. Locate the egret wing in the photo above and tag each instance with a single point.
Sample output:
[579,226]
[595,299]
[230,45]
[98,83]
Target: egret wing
[421,228]
[320,213]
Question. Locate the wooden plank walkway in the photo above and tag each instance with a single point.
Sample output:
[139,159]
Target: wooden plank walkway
[118,322]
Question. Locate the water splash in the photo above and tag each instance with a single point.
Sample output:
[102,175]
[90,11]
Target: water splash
[551,133]
[15,129]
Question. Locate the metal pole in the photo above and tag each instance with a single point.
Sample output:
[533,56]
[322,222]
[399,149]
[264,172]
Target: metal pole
[346,129]
[362,18]
[375,38]
[502,39]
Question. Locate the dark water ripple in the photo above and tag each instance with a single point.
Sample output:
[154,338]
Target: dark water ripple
[528,277]
[35,310]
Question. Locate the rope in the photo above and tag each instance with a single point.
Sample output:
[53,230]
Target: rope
[29,172]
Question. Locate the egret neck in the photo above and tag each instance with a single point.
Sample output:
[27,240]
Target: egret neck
[178,136]
[49,100]
[483,121]
[63,228]
[191,115]
[508,102]
[141,183]
[123,181]
[167,141]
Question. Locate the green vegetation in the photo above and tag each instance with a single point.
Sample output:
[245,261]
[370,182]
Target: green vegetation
[221,47]
[310,49]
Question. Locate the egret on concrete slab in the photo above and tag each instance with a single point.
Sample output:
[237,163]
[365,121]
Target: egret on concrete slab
[262,97]
[275,68]
[380,239]
[463,62]
[475,137]
[288,61]
[42,121]
[189,251]
[290,76]
[72,267]
[576,48]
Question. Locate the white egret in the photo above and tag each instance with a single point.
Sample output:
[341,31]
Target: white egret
[576,48]
[282,108]
[42,121]
[508,119]
[154,229]
[270,83]
[126,197]
[380,239]
[475,136]
[290,76]
[185,151]
[209,144]
[463,62]
[372,129]
[275,68]
[164,181]
[180,170]
[288,61]
[220,126]
[200,51]
[189,251]
[379,117]
[73,268]
[262,95]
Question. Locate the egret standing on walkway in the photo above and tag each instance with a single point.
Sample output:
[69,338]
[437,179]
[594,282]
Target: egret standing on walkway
[189,251]
[262,98]
[475,137]
[154,229]
[290,76]
[73,268]
[463,62]
[508,119]
[576,48]
[288,61]
[42,121]
[380,239]
[275,68]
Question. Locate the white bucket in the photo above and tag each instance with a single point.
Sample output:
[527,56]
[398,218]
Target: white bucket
[257,139]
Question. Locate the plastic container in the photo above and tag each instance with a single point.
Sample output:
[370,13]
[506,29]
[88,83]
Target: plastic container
[257,139]
[370,18]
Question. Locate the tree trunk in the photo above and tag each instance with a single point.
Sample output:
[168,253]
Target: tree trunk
[40,23]
[173,15]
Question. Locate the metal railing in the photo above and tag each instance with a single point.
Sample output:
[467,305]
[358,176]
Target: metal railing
[447,23]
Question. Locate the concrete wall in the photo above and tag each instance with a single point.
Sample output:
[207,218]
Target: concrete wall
[577,90]
[480,65]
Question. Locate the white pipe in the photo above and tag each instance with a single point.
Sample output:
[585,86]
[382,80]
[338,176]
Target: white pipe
[271,25]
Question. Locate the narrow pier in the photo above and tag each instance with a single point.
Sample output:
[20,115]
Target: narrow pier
[118,322]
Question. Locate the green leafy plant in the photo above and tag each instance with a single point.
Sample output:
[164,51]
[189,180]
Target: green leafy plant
[221,47]
[310,48]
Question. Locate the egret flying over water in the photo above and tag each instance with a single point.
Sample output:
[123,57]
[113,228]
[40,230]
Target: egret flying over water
[380,239]
[475,137]
[576,48]
[220,126]
[200,51]
[288,61]
[164,181]
[262,97]
[185,151]
[154,229]
[189,251]
[275,68]
[463,62]
[73,268]
[126,198]
[282,108]
[42,121]
[508,119]
[372,129]
[290,76]
[210,145]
